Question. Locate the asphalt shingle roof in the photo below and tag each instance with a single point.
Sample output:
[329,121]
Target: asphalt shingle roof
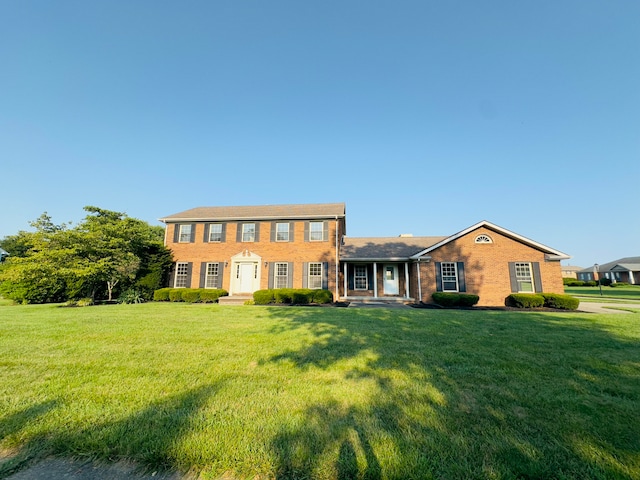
[260,212]
[385,248]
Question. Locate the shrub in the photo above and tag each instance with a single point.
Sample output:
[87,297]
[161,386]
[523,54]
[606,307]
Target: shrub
[563,302]
[302,296]
[161,295]
[84,302]
[524,300]
[322,296]
[191,295]
[263,297]
[446,299]
[175,294]
[212,295]
[283,295]
[575,283]
[568,281]
[131,296]
[605,282]
[619,284]
[590,283]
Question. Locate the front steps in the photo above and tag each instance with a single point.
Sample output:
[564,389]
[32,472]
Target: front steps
[234,299]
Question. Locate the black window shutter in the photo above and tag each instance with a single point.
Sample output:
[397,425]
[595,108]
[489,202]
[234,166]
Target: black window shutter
[189,272]
[220,274]
[172,276]
[239,232]
[291,229]
[290,275]
[273,231]
[325,231]
[205,237]
[438,277]
[306,231]
[176,232]
[370,278]
[305,275]
[257,237]
[350,277]
[512,277]
[223,236]
[193,233]
[325,275]
[462,283]
[271,268]
[537,279]
[203,273]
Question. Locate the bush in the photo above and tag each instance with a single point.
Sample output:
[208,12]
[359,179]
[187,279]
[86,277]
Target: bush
[191,295]
[322,296]
[283,295]
[302,296]
[175,294]
[619,284]
[563,302]
[161,295]
[263,297]
[84,302]
[605,282]
[524,300]
[131,296]
[590,283]
[575,283]
[212,295]
[446,299]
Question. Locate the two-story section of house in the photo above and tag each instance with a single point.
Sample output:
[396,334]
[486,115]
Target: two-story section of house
[248,248]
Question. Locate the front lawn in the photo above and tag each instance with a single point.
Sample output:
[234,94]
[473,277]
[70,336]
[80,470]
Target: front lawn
[629,294]
[285,392]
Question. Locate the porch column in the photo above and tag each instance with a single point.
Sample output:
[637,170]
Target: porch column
[375,280]
[632,280]
[344,281]
[406,279]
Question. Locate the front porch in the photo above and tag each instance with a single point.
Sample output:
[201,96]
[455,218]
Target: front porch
[385,281]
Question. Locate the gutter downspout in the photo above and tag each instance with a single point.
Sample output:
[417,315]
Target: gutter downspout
[419,282]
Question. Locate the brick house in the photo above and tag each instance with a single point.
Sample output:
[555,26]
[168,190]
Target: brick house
[244,249]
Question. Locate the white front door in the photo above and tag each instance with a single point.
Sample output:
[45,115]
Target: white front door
[391,285]
[245,277]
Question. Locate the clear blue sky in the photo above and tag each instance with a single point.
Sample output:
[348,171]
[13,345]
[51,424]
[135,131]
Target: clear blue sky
[424,117]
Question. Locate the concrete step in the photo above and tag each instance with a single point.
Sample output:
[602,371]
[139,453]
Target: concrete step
[234,299]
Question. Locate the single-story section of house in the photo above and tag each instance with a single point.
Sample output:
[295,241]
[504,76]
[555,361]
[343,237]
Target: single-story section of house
[625,269]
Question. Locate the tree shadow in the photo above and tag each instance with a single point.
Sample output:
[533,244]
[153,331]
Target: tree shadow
[148,437]
[557,401]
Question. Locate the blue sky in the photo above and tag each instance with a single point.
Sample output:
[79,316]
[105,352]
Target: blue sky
[424,117]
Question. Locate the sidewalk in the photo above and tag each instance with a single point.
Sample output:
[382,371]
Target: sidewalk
[593,307]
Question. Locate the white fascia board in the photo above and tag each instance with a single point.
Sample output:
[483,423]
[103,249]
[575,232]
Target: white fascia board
[503,231]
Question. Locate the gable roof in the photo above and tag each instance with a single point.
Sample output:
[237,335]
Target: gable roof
[384,248]
[259,212]
[551,253]
[627,263]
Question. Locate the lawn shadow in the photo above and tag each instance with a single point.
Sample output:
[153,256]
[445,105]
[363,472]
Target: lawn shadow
[147,437]
[506,394]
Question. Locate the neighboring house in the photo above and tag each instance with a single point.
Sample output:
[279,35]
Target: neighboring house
[570,271]
[622,270]
[244,249]
[3,254]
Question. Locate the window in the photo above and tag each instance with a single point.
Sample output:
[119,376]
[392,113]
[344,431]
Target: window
[182,275]
[212,279]
[248,232]
[524,277]
[282,232]
[483,239]
[449,274]
[360,277]
[281,275]
[316,231]
[315,275]
[215,232]
[185,233]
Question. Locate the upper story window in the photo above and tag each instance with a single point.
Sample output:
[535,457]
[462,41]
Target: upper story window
[282,232]
[316,231]
[483,239]
[215,232]
[186,230]
[248,232]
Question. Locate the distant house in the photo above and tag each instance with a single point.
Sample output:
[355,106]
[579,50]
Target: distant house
[244,249]
[622,270]
[570,271]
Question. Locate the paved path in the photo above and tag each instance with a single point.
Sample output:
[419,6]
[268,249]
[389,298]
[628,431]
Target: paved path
[593,307]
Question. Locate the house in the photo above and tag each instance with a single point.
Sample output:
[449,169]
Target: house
[244,249]
[570,271]
[622,270]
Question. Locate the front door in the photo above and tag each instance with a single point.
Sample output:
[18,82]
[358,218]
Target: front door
[246,276]
[391,285]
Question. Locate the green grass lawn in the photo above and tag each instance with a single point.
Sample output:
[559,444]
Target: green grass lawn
[630,294]
[273,392]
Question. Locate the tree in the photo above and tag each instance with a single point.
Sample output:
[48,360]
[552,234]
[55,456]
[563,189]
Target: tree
[106,251]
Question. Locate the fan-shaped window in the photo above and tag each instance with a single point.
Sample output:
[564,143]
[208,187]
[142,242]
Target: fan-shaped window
[483,239]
